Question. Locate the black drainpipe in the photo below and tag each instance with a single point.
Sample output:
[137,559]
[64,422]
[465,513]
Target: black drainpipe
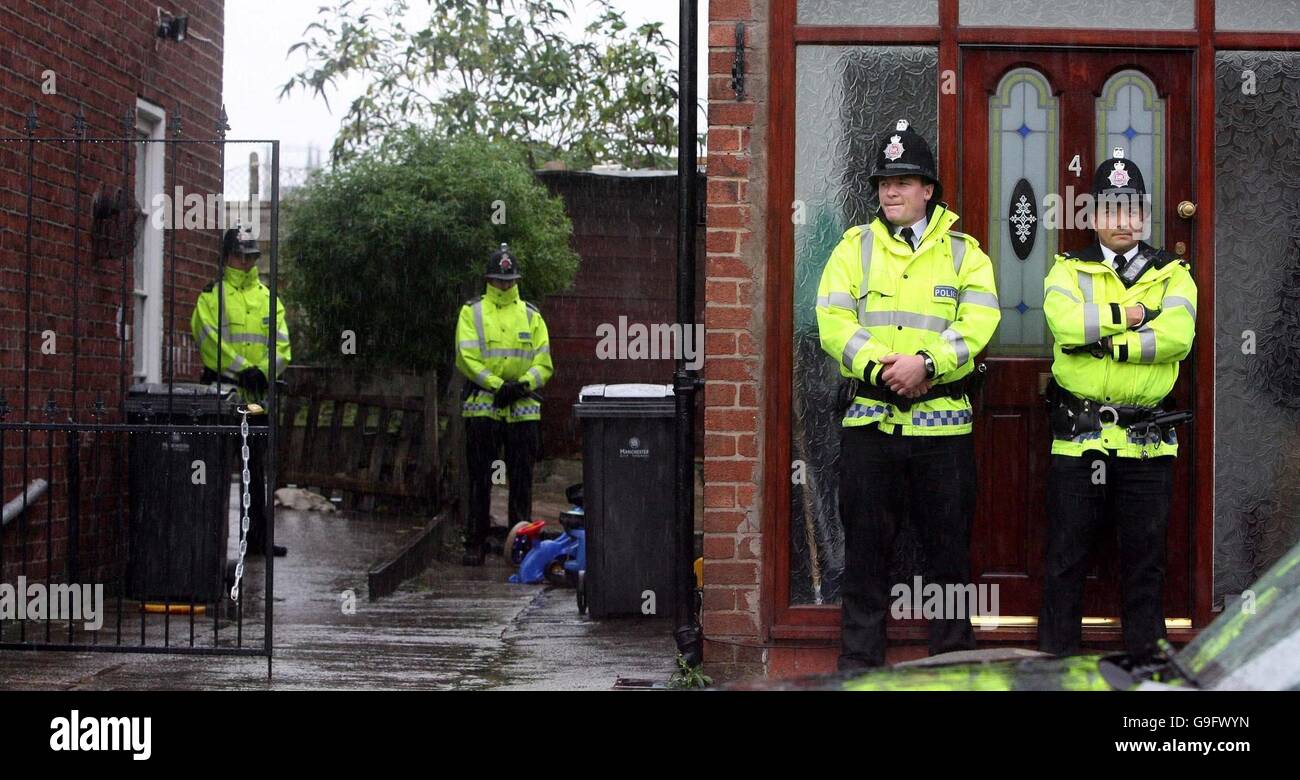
[685,383]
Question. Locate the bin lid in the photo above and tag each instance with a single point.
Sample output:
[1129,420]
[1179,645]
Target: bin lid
[625,400]
[632,391]
[152,397]
[181,388]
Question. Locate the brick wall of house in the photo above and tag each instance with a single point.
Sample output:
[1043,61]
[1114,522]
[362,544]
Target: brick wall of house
[734,318]
[625,232]
[104,54]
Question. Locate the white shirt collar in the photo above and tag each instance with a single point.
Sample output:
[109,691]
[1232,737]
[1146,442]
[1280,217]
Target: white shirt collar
[1109,254]
[918,229]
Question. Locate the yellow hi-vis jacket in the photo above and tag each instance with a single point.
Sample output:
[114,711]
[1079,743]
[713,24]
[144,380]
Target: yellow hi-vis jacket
[878,297]
[246,319]
[1084,300]
[500,338]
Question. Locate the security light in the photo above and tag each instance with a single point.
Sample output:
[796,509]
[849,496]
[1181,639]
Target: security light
[173,27]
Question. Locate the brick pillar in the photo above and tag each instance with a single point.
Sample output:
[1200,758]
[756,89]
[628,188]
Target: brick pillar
[733,318]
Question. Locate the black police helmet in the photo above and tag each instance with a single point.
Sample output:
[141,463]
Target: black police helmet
[1118,175]
[239,241]
[503,265]
[902,152]
[1118,182]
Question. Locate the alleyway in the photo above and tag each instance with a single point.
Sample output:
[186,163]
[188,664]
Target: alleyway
[452,627]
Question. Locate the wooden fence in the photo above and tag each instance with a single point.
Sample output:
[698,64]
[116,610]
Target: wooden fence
[374,437]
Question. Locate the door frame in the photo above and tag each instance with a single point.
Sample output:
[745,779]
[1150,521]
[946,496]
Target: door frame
[778,619]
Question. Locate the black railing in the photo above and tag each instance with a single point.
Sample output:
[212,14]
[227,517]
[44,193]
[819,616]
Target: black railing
[105,483]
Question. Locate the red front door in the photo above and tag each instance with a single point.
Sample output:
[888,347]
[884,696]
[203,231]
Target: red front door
[1035,123]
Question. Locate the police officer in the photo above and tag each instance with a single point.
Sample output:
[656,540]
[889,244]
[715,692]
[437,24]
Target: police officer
[904,305]
[503,348]
[1123,314]
[236,351]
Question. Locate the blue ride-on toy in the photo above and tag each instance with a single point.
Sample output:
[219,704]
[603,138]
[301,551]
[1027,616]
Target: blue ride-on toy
[561,560]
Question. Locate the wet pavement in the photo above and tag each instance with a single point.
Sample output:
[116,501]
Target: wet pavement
[452,627]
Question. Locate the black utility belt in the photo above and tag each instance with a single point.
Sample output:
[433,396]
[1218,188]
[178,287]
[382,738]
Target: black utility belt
[1071,416]
[954,390]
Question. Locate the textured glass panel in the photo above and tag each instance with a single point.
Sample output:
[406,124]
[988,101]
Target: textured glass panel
[869,12]
[1023,145]
[1267,15]
[845,98]
[1152,14]
[1131,115]
[1257,315]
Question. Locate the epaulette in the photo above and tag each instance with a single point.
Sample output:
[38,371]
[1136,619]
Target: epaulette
[1090,253]
[1161,258]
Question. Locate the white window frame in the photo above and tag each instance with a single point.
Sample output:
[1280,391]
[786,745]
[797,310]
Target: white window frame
[146,359]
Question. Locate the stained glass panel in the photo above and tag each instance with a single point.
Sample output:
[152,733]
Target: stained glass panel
[1023,147]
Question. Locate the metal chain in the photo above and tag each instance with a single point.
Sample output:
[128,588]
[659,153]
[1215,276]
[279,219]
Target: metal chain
[246,500]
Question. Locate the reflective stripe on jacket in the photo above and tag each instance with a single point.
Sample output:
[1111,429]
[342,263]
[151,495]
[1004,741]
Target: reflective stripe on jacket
[942,299]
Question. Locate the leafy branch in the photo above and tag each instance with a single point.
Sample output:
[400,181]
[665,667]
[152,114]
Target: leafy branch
[503,70]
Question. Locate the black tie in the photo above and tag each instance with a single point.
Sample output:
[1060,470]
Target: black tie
[1121,262]
[906,234]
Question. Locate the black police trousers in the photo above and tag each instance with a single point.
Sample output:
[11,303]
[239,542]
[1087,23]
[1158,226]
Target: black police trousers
[1132,494]
[484,437]
[927,481]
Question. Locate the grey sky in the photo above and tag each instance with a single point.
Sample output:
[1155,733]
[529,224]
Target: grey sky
[258,34]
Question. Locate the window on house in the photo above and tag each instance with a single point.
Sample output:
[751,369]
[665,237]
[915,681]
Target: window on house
[844,97]
[146,329]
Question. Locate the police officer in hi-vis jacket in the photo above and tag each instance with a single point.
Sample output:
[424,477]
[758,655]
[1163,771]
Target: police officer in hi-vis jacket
[1123,315]
[904,306]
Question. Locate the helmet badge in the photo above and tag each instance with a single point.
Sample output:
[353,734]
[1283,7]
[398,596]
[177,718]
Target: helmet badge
[895,148]
[1118,176]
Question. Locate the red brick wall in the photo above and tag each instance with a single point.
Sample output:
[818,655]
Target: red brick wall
[625,232]
[104,55]
[734,319]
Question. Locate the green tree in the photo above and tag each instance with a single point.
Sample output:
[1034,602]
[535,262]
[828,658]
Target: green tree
[503,70]
[389,244]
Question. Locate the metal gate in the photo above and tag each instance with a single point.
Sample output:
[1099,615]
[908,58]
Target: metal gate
[101,547]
